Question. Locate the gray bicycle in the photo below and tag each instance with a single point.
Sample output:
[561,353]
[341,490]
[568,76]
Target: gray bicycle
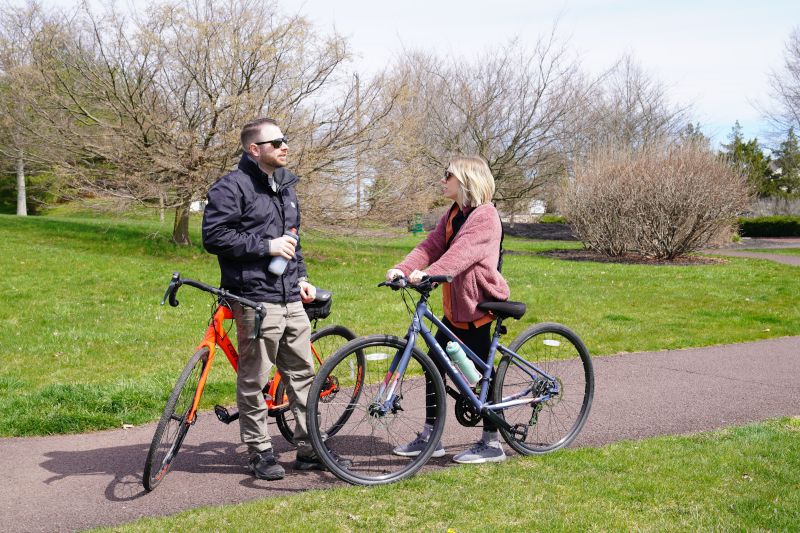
[539,394]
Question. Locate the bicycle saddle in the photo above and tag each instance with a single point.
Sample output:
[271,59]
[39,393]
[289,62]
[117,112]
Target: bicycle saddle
[321,306]
[504,309]
[322,296]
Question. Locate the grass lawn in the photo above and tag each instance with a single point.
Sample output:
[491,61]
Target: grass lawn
[736,479]
[89,347]
[781,251]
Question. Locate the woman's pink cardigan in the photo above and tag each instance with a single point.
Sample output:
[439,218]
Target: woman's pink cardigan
[471,260]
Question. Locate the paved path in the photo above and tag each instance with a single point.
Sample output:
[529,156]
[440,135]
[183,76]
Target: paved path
[74,482]
[778,258]
[764,245]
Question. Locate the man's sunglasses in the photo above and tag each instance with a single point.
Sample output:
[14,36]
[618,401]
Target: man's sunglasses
[276,143]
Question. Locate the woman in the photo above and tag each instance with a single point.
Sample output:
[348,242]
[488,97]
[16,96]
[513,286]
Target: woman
[465,245]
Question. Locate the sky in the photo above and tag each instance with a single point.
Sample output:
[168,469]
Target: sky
[713,55]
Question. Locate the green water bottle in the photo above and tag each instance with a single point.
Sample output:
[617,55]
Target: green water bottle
[464,363]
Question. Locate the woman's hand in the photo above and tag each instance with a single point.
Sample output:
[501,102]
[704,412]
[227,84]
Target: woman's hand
[416,276]
[394,273]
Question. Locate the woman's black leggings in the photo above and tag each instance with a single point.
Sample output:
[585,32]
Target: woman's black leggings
[478,340]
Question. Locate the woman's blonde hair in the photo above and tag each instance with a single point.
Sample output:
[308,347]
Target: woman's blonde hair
[475,178]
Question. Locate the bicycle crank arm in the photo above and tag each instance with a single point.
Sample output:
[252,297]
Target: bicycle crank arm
[497,419]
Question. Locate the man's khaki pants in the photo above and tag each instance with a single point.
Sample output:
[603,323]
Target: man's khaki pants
[284,341]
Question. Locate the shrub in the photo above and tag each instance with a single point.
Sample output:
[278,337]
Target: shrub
[775,226]
[551,219]
[661,201]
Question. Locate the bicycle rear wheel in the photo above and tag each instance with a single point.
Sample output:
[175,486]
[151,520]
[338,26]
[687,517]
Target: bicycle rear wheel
[357,425]
[324,343]
[173,426]
[545,426]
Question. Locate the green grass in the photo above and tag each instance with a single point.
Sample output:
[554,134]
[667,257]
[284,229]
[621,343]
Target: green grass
[782,251]
[736,479]
[89,347]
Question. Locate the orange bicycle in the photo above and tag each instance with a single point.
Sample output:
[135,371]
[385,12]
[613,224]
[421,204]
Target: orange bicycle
[180,412]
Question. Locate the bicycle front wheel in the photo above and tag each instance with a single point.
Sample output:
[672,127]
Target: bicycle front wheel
[554,422]
[374,412]
[173,426]
[323,344]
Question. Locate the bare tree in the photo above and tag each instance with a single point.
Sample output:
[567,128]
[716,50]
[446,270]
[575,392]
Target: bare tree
[785,86]
[509,105]
[151,106]
[625,107]
[399,180]
[16,118]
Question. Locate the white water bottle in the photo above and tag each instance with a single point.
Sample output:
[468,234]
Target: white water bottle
[278,263]
[464,363]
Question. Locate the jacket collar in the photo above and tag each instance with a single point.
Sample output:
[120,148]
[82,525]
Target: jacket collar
[282,176]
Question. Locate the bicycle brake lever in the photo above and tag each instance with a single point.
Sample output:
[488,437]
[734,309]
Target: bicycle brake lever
[174,283]
[396,284]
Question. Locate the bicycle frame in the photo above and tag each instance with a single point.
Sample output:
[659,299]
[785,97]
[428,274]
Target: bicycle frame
[215,335]
[418,327]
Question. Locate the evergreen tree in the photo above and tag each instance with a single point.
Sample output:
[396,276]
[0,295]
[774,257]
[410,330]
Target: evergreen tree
[748,158]
[787,159]
[692,134]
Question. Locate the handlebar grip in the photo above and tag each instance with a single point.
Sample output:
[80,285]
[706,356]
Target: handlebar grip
[440,279]
[173,300]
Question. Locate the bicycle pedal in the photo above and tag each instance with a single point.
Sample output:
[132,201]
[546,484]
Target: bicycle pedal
[520,431]
[223,415]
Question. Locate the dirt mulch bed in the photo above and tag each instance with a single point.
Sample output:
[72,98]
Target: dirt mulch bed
[547,232]
[589,255]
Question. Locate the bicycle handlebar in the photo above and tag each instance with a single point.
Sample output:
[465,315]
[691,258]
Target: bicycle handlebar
[176,282]
[425,285]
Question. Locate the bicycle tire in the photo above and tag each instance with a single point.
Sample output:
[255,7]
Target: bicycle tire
[365,436]
[171,430]
[552,424]
[324,343]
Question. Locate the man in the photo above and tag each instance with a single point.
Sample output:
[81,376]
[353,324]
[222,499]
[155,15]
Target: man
[249,212]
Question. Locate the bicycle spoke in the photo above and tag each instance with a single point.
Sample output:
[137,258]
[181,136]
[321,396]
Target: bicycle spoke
[557,352]
[372,430]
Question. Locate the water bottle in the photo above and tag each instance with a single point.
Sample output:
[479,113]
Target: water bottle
[278,263]
[464,363]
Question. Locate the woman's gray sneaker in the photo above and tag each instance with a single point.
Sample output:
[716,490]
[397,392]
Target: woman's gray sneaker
[415,447]
[482,452]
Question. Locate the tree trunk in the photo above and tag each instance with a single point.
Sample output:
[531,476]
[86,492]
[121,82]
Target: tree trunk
[180,231]
[22,204]
[161,208]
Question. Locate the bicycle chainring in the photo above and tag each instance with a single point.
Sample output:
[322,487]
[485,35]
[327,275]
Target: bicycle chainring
[331,388]
[466,414]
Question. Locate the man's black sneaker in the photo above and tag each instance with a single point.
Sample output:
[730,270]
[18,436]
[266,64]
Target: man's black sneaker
[264,466]
[313,462]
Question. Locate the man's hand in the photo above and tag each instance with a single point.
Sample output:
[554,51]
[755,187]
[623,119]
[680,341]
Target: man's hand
[416,276]
[282,246]
[394,273]
[308,292]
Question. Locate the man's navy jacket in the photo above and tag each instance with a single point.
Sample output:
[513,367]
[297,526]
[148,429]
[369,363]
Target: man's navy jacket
[242,215]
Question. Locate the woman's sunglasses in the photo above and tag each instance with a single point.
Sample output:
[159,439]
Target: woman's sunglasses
[448,175]
[276,143]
